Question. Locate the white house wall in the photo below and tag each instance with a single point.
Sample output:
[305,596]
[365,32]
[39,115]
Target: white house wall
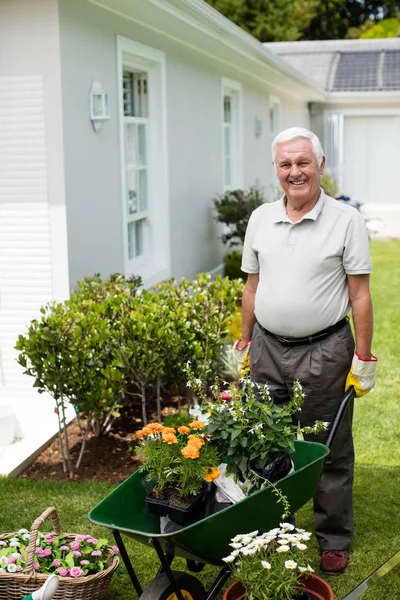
[194,138]
[33,256]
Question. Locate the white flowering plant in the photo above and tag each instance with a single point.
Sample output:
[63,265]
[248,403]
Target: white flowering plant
[67,556]
[269,565]
[249,429]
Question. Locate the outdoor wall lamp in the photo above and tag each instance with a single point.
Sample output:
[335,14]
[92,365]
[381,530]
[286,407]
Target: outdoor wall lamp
[99,106]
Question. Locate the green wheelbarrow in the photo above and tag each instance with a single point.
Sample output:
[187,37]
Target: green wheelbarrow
[206,541]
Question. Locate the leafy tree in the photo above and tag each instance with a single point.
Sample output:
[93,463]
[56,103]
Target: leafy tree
[334,18]
[268,20]
[383,29]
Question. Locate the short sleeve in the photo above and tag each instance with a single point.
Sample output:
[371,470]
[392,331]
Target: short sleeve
[356,255]
[250,257]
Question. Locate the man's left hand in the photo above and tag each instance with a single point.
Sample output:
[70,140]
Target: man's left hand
[362,375]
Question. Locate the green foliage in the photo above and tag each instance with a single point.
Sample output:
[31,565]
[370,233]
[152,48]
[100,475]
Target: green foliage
[203,309]
[334,18]
[268,20]
[234,209]
[232,264]
[329,185]
[67,352]
[178,419]
[250,430]
[386,28]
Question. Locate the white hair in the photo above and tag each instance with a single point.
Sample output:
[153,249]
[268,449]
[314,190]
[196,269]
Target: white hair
[296,132]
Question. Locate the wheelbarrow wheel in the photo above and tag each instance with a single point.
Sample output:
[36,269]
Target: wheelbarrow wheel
[161,588]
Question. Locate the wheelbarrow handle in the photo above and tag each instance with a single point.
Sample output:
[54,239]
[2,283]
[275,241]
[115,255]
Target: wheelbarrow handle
[348,397]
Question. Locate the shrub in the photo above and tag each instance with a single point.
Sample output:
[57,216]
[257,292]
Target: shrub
[234,209]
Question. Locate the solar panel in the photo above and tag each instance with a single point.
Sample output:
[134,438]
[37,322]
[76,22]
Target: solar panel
[357,71]
[391,70]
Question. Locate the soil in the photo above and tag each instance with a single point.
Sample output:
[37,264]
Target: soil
[110,457]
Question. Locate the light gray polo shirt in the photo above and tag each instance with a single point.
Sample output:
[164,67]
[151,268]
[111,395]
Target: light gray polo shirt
[303,266]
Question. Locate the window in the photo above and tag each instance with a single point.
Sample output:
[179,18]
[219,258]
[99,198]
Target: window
[232,135]
[274,129]
[136,121]
[144,161]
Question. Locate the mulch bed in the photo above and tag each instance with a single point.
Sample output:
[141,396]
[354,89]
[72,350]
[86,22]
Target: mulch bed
[110,457]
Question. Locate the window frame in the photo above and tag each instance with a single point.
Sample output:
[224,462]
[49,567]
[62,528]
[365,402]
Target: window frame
[234,90]
[154,264]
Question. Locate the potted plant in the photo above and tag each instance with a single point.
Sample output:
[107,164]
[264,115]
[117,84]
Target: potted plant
[180,461]
[271,566]
[253,434]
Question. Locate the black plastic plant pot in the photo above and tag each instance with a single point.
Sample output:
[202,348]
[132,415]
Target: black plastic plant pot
[190,511]
[158,508]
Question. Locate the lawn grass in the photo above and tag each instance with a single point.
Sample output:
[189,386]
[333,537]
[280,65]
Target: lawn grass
[377,477]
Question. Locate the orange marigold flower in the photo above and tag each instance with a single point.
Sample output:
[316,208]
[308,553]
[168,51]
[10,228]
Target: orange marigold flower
[190,451]
[212,473]
[153,427]
[170,438]
[167,429]
[196,441]
[140,433]
[197,425]
[183,429]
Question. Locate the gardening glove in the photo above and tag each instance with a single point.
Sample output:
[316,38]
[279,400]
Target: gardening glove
[362,375]
[242,356]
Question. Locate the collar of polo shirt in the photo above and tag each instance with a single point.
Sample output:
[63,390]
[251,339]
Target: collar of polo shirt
[282,217]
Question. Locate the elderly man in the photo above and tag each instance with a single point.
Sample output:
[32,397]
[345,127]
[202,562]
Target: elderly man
[307,259]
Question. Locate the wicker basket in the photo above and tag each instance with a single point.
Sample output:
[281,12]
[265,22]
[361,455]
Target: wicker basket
[13,586]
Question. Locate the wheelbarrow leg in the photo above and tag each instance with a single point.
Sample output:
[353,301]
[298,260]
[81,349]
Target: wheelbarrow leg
[127,562]
[219,582]
[165,562]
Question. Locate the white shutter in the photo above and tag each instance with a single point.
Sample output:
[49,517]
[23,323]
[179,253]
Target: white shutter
[25,251]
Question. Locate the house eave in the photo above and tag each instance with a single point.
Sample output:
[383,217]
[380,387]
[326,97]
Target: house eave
[363,98]
[225,41]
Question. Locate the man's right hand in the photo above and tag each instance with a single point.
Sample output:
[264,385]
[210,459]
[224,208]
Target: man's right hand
[241,348]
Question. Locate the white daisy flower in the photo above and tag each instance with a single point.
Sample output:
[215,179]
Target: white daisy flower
[14,544]
[283,549]
[21,531]
[310,569]
[301,546]
[286,526]
[11,568]
[15,555]
[3,543]
[302,569]
[236,545]
[229,559]
[290,564]
[265,564]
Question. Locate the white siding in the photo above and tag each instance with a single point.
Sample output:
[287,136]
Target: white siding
[25,245]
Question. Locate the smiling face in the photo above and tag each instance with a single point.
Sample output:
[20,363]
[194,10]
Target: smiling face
[298,171]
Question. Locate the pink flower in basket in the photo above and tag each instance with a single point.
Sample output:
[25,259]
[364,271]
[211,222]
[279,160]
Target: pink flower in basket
[96,553]
[36,566]
[56,563]
[63,572]
[76,572]
[77,553]
[75,545]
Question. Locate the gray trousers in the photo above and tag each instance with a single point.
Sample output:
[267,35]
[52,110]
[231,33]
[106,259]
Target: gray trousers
[321,367]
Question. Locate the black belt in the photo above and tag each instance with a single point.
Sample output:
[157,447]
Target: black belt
[309,339]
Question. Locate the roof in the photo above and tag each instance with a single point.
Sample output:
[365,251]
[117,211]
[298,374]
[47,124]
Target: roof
[197,25]
[345,65]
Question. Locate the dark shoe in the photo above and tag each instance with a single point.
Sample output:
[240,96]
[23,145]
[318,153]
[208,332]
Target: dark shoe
[334,562]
